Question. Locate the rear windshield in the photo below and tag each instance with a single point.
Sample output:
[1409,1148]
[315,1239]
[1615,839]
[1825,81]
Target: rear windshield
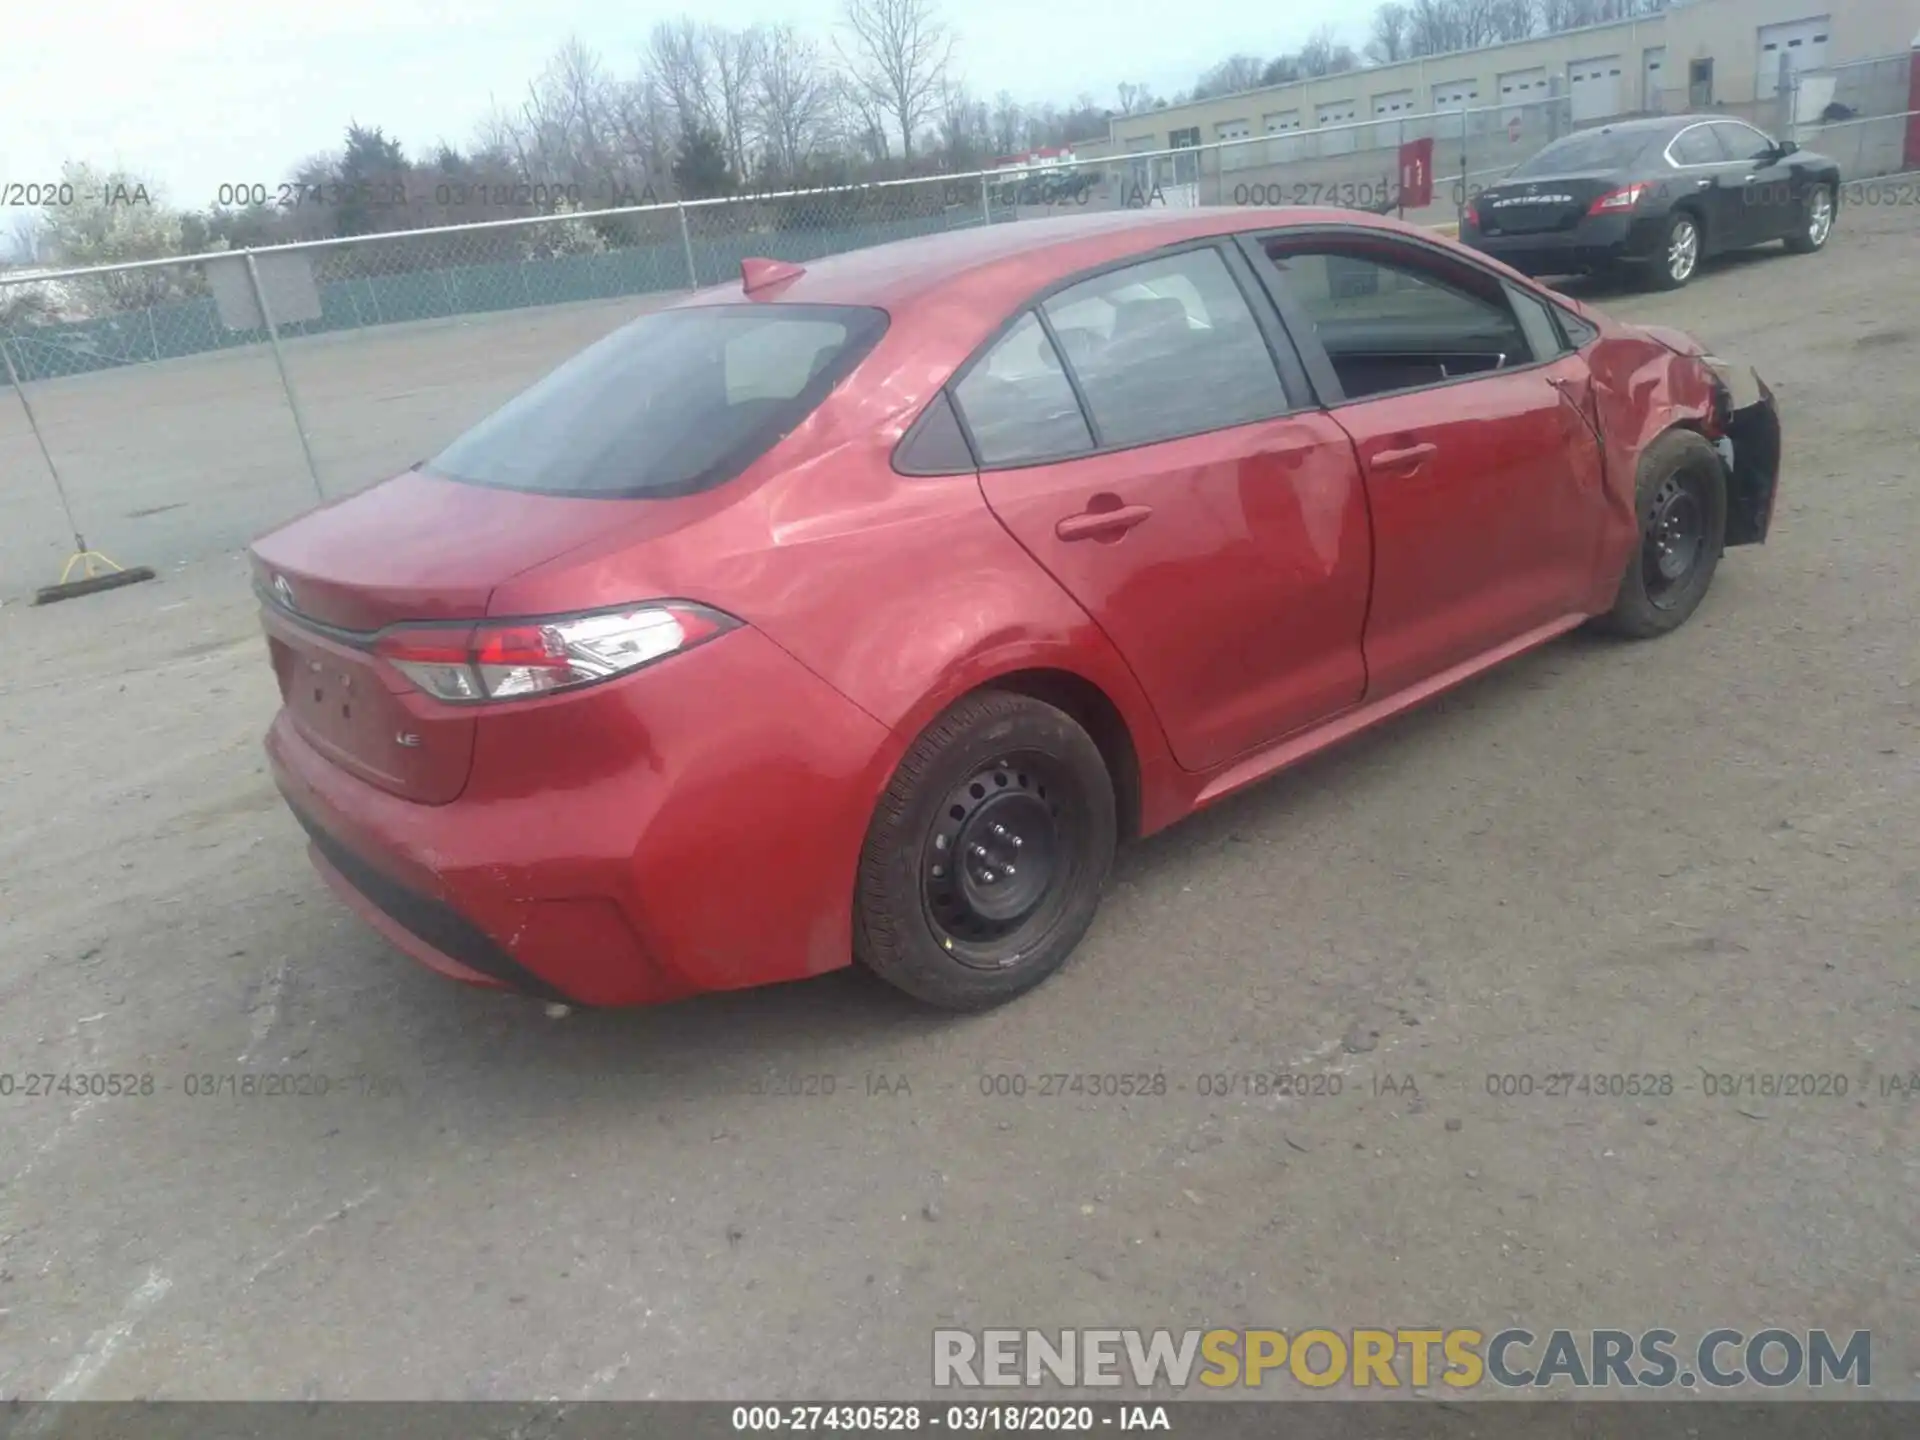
[1578,154]
[678,401]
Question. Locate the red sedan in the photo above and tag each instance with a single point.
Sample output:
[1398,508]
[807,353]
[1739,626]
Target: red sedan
[857,611]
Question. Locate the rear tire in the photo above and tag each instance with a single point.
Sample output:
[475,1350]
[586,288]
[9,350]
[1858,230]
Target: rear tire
[985,858]
[1681,245]
[1681,501]
[1814,227]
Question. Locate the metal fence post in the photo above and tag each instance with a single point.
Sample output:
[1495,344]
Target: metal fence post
[986,201]
[1460,201]
[1399,175]
[686,244]
[286,381]
[33,424]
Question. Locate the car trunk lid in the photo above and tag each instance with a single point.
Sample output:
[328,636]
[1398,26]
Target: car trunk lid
[415,549]
[1539,204]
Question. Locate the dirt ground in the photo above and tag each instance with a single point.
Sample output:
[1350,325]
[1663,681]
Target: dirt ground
[1697,856]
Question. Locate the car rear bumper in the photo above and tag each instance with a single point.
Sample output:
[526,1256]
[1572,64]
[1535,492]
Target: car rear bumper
[637,842]
[1594,244]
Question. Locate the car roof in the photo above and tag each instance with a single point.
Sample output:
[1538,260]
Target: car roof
[1032,253]
[1651,126]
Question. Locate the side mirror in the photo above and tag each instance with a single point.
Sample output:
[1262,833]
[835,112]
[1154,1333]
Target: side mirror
[1786,148]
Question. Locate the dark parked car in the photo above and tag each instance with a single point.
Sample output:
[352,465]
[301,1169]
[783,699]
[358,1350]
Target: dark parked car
[1657,195]
[857,610]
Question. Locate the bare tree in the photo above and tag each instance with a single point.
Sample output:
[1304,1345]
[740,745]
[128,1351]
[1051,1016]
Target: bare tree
[1433,27]
[1514,19]
[861,119]
[677,63]
[28,235]
[1009,125]
[734,58]
[897,52]
[1281,70]
[965,130]
[1325,54]
[793,98]
[1230,77]
[1134,98]
[643,119]
[1389,41]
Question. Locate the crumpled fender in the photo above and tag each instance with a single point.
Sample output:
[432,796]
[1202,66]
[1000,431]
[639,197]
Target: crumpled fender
[1648,379]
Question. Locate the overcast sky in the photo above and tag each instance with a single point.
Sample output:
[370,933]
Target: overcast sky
[239,91]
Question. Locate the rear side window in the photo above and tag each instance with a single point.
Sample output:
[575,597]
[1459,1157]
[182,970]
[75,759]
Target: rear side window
[1697,147]
[1535,323]
[676,402]
[1019,404]
[1166,348]
[1590,150]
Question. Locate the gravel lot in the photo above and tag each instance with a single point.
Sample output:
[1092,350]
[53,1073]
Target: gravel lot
[1699,854]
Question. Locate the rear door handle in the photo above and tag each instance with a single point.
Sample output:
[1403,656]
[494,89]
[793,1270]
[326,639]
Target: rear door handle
[1102,524]
[1406,459]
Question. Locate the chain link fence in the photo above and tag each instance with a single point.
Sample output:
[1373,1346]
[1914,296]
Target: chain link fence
[183,406]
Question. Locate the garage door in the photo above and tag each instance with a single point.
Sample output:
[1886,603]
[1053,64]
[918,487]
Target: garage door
[1800,43]
[1394,102]
[1232,130]
[1520,88]
[1339,112]
[1654,82]
[1279,121]
[1594,88]
[1461,92]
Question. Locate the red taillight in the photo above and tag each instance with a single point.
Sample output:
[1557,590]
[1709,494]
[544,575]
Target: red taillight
[473,664]
[1625,198]
[1472,214]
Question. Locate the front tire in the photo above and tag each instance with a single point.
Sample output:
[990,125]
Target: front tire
[985,858]
[1815,226]
[1678,257]
[1681,500]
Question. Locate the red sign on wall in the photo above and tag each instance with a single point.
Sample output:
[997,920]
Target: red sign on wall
[1416,174]
[1912,158]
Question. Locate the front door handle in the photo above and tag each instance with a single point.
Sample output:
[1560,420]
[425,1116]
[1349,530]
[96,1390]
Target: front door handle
[1102,524]
[1406,459]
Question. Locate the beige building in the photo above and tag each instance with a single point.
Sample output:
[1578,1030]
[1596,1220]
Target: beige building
[1708,54]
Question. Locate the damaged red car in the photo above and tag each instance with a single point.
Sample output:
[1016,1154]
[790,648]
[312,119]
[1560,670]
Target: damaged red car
[856,611]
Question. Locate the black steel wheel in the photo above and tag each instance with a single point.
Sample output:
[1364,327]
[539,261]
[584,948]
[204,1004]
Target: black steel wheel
[1681,501]
[985,858]
[1674,536]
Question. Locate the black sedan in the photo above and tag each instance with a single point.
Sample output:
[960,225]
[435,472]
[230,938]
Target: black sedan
[1656,195]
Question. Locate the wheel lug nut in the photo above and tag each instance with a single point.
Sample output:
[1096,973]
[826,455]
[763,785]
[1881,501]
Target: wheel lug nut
[1000,830]
[1009,869]
[1018,842]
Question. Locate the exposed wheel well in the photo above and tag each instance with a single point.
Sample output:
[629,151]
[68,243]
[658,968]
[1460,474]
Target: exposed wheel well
[1088,704]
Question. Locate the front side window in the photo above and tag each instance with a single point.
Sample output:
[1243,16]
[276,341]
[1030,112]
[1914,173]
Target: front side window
[1743,142]
[1166,348]
[676,402]
[1393,317]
